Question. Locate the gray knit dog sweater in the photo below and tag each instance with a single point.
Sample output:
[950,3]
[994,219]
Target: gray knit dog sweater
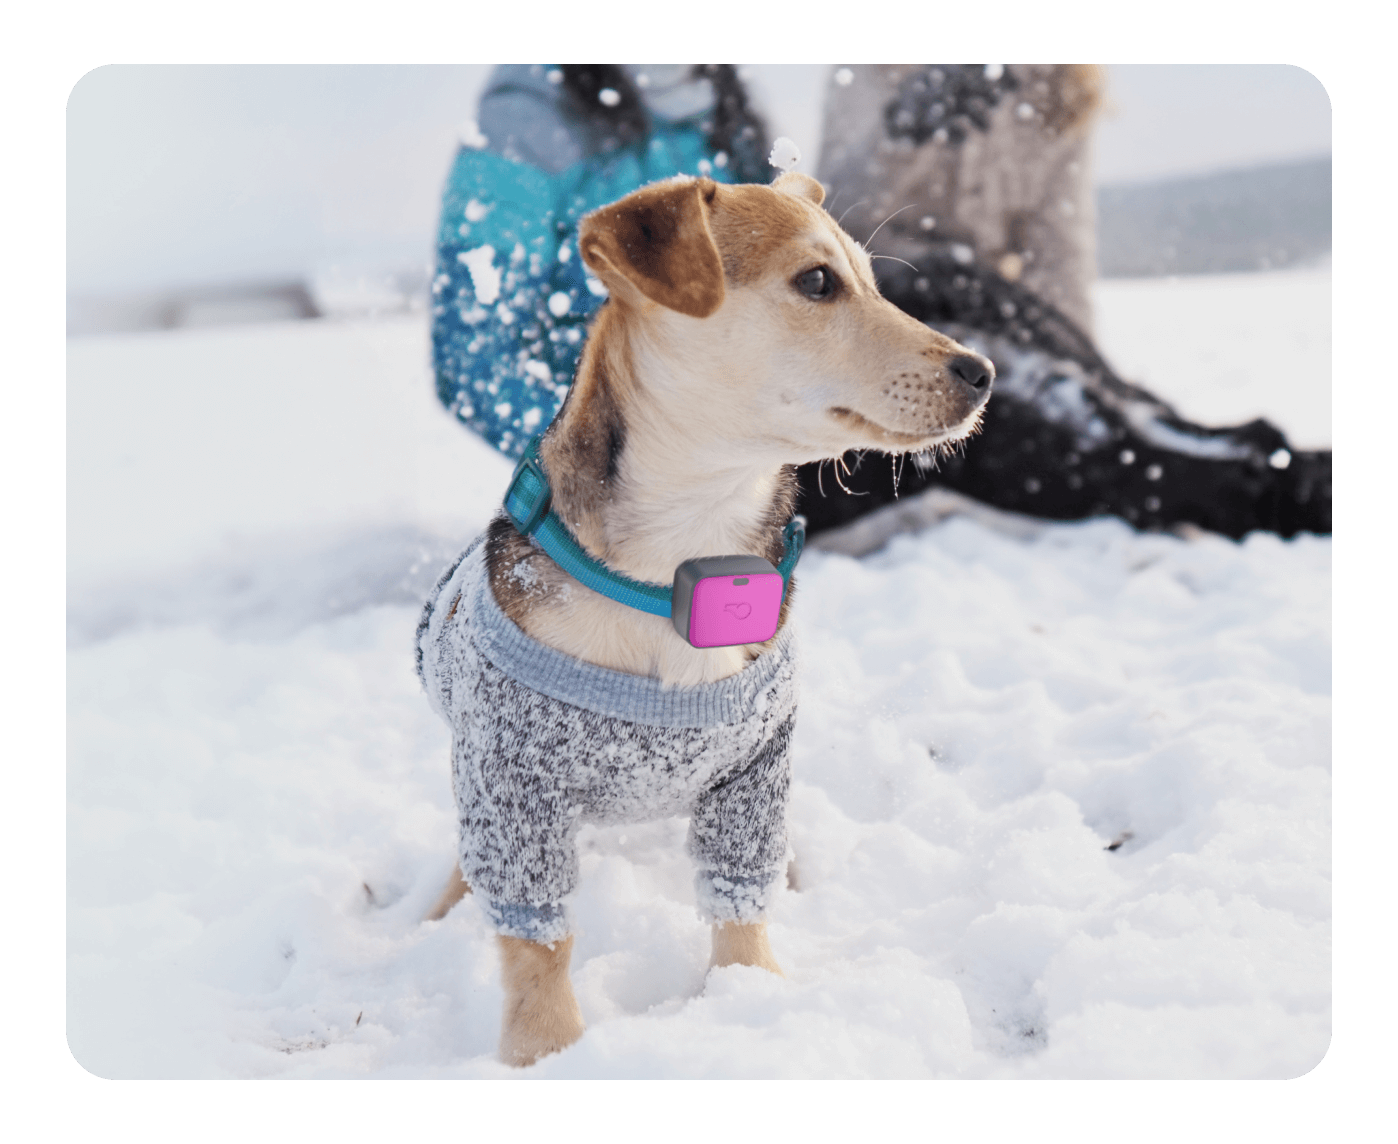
[543,742]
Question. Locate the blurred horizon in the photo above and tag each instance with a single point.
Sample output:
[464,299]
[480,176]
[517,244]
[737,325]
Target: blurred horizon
[220,194]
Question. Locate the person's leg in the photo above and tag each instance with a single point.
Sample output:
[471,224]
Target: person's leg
[988,161]
[989,172]
[1065,438]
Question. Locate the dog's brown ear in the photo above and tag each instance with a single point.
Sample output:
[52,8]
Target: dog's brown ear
[802,186]
[656,241]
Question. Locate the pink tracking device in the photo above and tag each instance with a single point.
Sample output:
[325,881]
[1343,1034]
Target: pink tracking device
[720,601]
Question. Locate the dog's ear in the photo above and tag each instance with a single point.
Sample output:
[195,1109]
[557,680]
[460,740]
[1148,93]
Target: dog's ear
[657,242]
[802,186]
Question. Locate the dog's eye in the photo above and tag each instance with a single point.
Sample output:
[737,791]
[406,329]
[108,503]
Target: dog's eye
[816,283]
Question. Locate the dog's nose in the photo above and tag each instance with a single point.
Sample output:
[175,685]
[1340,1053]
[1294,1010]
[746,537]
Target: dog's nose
[974,370]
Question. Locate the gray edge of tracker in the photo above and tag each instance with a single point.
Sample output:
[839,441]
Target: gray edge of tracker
[688,574]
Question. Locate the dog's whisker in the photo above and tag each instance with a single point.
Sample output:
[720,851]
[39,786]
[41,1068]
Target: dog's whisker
[841,219]
[840,463]
[897,459]
[894,258]
[886,221]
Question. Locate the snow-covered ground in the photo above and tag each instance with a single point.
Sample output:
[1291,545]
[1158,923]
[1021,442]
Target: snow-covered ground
[1227,347]
[260,809]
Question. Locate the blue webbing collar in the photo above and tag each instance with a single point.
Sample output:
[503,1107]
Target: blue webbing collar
[528,501]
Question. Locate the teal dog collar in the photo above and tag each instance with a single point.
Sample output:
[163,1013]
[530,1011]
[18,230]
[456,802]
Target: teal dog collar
[528,502]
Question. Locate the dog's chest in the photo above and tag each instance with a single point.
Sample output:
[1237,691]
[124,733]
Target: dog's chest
[610,746]
[554,609]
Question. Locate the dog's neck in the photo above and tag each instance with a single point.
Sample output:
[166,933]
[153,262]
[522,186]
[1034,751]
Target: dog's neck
[673,503]
[677,482]
[647,477]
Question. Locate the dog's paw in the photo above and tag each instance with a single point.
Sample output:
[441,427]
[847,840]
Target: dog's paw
[541,1013]
[457,888]
[524,1042]
[743,943]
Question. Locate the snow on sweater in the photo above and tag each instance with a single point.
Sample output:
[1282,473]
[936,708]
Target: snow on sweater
[543,742]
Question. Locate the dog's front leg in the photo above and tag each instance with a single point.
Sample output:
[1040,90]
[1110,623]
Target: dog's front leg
[541,1014]
[743,943]
[457,888]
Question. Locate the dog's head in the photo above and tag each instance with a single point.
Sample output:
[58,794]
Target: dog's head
[754,308]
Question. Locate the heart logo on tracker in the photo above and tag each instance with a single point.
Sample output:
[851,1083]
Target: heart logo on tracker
[740,611]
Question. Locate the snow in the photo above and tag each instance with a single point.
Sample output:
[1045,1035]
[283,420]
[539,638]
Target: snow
[1274,361]
[784,154]
[1061,802]
[485,275]
[471,136]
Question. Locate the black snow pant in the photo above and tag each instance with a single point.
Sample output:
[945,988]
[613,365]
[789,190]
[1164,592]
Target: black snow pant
[1065,438]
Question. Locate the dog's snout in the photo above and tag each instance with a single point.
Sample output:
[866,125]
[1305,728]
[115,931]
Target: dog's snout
[974,370]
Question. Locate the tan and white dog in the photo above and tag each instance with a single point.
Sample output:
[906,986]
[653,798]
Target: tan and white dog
[744,335]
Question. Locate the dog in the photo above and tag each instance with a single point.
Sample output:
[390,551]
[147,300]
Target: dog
[743,335]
